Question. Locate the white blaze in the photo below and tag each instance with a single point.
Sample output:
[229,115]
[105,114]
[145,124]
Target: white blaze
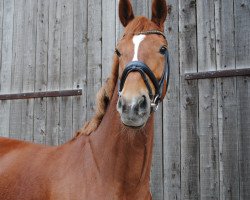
[137,39]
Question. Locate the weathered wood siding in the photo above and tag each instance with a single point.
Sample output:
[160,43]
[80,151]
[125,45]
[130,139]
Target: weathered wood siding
[202,132]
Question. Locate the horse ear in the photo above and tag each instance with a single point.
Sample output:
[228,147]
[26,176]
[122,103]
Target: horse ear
[159,12]
[125,12]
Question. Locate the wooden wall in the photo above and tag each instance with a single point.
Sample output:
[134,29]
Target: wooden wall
[202,132]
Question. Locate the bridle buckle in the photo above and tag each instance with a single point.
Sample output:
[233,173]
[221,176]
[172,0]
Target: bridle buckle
[154,104]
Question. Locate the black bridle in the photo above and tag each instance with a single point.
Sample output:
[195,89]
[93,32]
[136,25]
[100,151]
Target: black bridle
[146,73]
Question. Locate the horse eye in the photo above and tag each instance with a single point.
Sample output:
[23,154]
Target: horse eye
[118,52]
[163,50]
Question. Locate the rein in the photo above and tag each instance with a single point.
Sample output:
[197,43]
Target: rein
[145,72]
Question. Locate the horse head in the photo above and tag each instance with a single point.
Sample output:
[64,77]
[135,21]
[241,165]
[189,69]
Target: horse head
[143,63]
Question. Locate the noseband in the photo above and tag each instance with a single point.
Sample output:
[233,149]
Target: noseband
[146,73]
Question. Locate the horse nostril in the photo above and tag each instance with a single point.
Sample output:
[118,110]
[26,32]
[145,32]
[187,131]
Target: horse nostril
[124,108]
[122,105]
[143,102]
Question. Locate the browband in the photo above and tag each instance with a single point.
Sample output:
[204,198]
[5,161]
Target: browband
[152,32]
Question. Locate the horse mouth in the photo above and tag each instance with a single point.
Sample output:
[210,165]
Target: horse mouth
[134,127]
[132,124]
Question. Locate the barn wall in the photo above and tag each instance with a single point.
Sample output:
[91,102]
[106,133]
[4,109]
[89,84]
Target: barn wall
[202,132]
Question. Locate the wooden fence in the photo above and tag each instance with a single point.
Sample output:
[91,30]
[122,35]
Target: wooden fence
[202,132]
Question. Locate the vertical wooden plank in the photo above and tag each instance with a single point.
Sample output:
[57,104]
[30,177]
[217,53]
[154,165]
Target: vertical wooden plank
[227,123]
[1,30]
[29,68]
[54,58]
[108,36]
[242,33]
[224,20]
[41,70]
[243,96]
[66,71]
[242,51]
[171,110]
[6,62]
[156,179]
[149,7]
[208,127]
[190,188]
[80,62]
[17,68]
[227,102]
[94,54]
[141,7]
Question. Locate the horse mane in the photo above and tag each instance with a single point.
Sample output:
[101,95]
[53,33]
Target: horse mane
[105,94]
[103,98]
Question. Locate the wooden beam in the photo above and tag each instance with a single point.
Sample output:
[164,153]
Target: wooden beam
[30,95]
[217,74]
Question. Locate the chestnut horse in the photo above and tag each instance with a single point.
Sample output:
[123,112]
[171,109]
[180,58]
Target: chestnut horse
[110,157]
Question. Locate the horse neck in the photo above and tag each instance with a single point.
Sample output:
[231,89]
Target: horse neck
[122,153]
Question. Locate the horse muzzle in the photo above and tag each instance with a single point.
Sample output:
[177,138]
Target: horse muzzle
[134,112]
